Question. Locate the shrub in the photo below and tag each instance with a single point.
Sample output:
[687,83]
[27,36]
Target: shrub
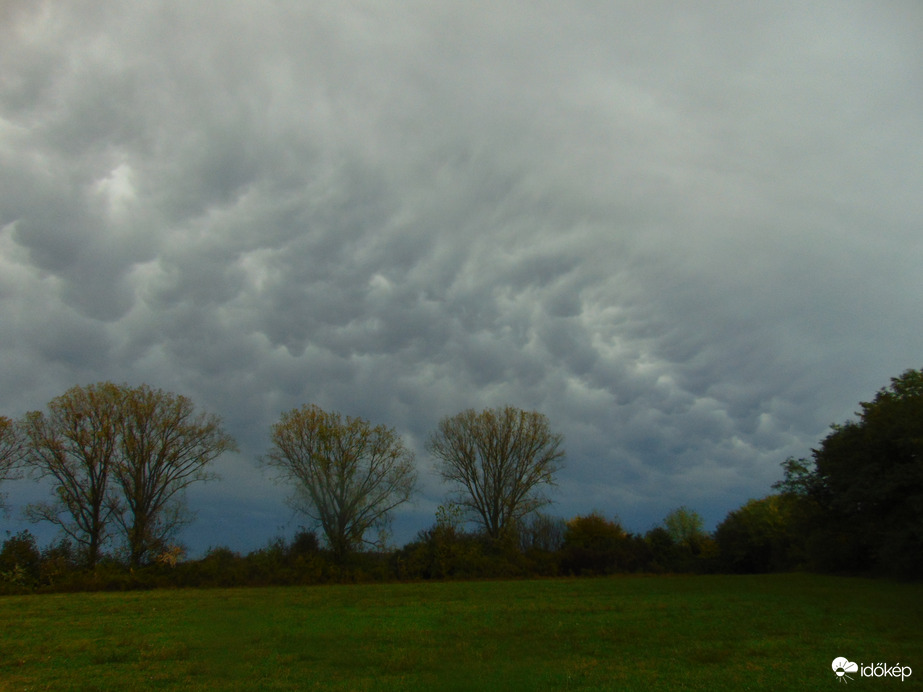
[759,537]
[20,562]
[595,545]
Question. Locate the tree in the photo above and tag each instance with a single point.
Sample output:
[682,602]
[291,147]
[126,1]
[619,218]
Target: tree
[685,528]
[867,481]
[595,545]
[760,536]
[815,539]
[498,459]
[542,533]
[119,453]
[20,560]
[10,452]
[164,447]
[75,444]
[349,476]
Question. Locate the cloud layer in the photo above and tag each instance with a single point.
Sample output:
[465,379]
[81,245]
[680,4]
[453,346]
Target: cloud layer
[689,236]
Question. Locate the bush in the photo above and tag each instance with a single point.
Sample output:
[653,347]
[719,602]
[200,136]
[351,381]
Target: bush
[759,537]
[594,545]
[20,562]
[59,563]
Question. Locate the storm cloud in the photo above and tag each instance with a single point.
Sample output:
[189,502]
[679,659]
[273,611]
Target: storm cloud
[688,235]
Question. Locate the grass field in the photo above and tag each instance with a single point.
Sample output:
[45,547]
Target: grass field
[774,632]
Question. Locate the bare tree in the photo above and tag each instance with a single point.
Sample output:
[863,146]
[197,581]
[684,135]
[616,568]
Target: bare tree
[75,444]
[164,446]
[104,438]
[349,475]
[542,532]
[497,459]
[10,452]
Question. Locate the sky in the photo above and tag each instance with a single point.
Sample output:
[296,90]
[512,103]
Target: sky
[687,233]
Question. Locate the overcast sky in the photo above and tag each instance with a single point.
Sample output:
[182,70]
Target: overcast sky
[688,233]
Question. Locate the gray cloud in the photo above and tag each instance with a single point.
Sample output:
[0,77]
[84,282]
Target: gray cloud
[689,236]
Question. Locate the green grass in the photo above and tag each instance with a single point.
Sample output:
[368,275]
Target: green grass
[776,632]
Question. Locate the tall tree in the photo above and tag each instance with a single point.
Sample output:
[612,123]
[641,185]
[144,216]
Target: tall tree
[498,459]
[760,536]
[10,452]
[75,444]
[349,476]
[122,454]
[860,499]
[869,475]
[164,446]
[685,527]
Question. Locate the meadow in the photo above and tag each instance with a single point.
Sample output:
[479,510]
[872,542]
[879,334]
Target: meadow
[717,632]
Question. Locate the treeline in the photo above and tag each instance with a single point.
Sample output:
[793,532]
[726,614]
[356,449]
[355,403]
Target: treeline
[121,457]
[544,546]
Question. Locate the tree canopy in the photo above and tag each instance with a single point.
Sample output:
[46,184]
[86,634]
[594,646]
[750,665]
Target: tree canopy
[75,444]
[760,536]
[164,446]
[10,451]
[685,527]
[121,453]
[498,459]
[348,474]
[862,494]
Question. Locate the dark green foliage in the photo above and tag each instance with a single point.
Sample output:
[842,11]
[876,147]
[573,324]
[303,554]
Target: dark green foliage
[860,501]
[873,470]
[596,545]
[662,552]
[58,561]
[447,552]
[304,543]
[438,553]
[759,537]
[20,562]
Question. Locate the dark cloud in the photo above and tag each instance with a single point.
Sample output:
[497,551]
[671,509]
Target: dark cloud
[688,235]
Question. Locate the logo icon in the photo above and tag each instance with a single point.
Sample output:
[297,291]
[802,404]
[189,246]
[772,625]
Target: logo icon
[841,666]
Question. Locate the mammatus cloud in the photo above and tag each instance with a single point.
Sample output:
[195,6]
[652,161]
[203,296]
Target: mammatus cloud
[689,236]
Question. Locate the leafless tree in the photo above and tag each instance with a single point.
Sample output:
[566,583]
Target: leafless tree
[349,476]
[10,452]
[119,454]
[75,444]
[164,446]
[498,459]
[542,532]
